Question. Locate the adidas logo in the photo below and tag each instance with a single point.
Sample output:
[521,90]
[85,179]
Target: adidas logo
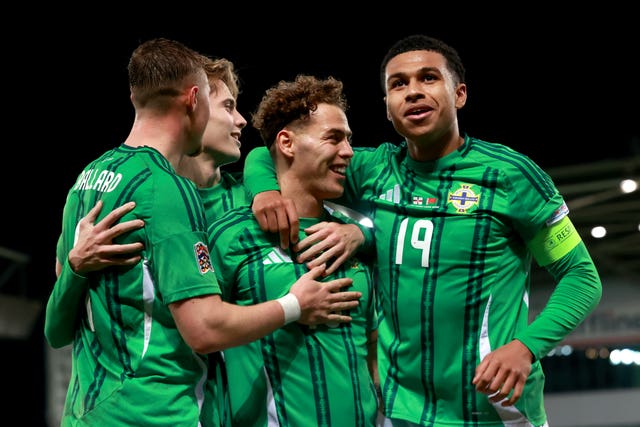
[276,256]
[392,195]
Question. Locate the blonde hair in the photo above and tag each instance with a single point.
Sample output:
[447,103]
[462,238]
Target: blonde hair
[222,69]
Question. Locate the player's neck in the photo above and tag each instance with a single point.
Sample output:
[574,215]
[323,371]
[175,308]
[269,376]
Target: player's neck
[201,169]
[164,134]
[425,149]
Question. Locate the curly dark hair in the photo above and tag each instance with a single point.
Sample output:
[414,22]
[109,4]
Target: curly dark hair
[422,42]
[288,101]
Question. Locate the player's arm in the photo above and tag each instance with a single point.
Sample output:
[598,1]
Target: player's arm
[93,250]
[63,306]
[208,324]
[560,250]
[274,213]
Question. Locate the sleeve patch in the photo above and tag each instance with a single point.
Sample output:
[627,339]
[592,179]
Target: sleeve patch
[558,214]
[202,257]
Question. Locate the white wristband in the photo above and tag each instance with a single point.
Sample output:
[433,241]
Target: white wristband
[291,307]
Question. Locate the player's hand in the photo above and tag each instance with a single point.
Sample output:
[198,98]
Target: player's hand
[94,248]
[277,214]
[329,243]
[323,302]
[503,373]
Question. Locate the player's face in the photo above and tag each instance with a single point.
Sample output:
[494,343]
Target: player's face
[421,96]
[221,137]
[322,152]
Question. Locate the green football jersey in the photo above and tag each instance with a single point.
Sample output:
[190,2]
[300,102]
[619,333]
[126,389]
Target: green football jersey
[229,193]
[452,275]
[297,375]
[130,365]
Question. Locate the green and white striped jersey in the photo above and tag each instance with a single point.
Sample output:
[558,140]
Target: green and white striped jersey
[130,364]
[296,375]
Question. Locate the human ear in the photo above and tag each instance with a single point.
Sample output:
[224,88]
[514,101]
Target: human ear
[461,95]
[284,141]
[387,108]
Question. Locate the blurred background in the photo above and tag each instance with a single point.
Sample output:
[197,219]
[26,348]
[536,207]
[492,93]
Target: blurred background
[563,90]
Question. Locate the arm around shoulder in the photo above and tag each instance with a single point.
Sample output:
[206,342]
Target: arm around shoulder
[259,173]
[208,324]
[64,306]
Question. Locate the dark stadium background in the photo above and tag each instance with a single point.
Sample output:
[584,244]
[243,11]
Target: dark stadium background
[560,87]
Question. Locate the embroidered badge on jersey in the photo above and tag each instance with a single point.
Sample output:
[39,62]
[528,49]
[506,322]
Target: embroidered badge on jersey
[464,198]
[202,257]
[355,264]
[558,214]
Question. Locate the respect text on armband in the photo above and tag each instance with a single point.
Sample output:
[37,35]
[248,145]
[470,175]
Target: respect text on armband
[560,235]
[98,180]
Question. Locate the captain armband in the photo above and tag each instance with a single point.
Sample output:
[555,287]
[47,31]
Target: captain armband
[552,243]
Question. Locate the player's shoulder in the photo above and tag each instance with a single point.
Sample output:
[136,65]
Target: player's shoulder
[497,155]
[141,164]
[381,149]
[233,221]
[378,156]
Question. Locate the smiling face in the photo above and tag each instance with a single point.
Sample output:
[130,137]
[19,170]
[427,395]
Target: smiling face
[422,97]
[221,139]
[318,151]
